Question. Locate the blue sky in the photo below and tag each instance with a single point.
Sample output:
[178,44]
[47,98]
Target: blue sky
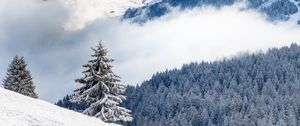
[55,39]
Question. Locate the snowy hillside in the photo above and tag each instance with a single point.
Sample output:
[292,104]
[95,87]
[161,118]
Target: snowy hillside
[19,110]
[281,10]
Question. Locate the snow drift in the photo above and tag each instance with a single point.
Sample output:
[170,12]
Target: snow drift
[20,110]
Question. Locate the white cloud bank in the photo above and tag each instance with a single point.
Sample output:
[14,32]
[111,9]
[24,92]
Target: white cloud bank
[55,40]
[83,12]
[195,35]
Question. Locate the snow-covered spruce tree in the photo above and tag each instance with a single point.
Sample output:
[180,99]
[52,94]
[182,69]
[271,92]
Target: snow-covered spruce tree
[102,89]
[18,78]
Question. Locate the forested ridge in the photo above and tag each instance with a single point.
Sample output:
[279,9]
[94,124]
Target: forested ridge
[252,89]
[274,10]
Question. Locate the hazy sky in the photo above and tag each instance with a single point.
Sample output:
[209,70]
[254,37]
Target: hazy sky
[55,38]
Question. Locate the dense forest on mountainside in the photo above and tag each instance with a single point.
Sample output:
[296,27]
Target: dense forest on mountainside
[253,89]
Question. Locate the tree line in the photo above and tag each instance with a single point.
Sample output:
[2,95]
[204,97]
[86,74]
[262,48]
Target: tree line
[260,89]
[100,94]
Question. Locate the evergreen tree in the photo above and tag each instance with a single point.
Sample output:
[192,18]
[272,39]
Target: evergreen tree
[18,78]
[102,89]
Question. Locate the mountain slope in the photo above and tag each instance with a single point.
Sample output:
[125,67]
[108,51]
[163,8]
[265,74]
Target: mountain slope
[160,8]
[260,89]
[281,10]
[20,110]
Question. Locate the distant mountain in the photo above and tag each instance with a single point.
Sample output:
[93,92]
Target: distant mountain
[261,89]
[275,9]
[20,110]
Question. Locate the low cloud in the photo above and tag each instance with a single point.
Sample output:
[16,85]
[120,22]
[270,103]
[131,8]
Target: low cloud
[84,12]
[56,39]
[181,37]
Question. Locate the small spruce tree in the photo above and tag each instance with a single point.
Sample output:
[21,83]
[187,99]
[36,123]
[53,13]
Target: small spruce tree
[102,89]
[18,78]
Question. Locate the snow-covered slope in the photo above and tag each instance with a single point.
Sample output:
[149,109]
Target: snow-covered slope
[275,10]
[20,110]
